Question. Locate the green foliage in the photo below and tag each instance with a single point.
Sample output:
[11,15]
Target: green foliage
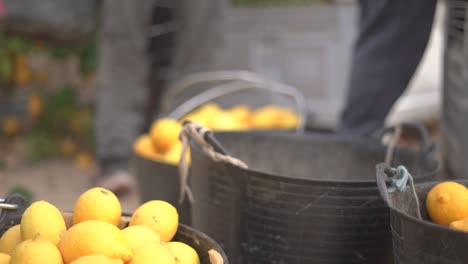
[59,110]
[25,192]
[39,146]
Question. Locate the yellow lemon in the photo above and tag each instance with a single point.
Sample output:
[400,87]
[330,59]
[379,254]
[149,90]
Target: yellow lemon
[265,117]
[138,235]
[144,147]
[209,110]
[151,253]
[183,253]
[241,112]
[10,125]
[224,121]
[447,202]
[158,215]
[97,204]
[96,259]
[45,219]
[287,119]
[197,118]
[94,237]
[4,258]
[165,132]
[174,153]
[10,239]
[36,251]
[460,224]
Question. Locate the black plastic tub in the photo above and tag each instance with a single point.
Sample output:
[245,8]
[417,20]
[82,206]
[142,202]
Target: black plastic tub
[160,181]
[304,198]
[420,240]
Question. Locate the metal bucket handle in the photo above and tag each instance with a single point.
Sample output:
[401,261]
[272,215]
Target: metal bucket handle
[236,81]
[12,209]
[427,147]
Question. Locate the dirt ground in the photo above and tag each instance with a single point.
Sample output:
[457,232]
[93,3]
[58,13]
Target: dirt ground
[57,181]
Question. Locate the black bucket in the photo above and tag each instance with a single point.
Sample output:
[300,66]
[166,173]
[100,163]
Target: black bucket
[160,181]
[420,240]
[304,199]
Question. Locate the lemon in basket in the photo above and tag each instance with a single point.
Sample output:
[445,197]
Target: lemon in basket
[4,258]
[36,251]
[151,253]
[447,202]
[97,204]
[164,133]
[225,121]
[138,235]
[94,237]
[183,253]
[461,225]
[45,219]
[96,259]
[241,112]
[174,153]
[144,147]
[10,239]
[158,215]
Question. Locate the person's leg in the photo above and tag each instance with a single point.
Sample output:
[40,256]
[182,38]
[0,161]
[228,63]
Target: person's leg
[391,41]
[122,80]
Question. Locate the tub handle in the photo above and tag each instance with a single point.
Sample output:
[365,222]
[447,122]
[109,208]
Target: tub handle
[233,81]
[398,179]
[427,147]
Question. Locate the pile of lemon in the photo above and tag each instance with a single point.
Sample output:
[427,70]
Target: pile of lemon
[447,204]
[95,233]
[162,142]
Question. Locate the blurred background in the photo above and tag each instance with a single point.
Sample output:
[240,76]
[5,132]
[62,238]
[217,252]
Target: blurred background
[48,62]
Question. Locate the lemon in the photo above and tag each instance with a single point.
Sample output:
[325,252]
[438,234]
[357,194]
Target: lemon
[36,251]
[174,154]
[151,253]
[265,117]
[447,202]
[94,237]
[158,215]
[287,119]
[241,112]
[183,253]
[164,132]
[224,121]
[144,147]
[197,118]
[460,224]
[209,110]
[45,219]
[97,204]
[4,258]
[10,239]
[138,235]
[96,259]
